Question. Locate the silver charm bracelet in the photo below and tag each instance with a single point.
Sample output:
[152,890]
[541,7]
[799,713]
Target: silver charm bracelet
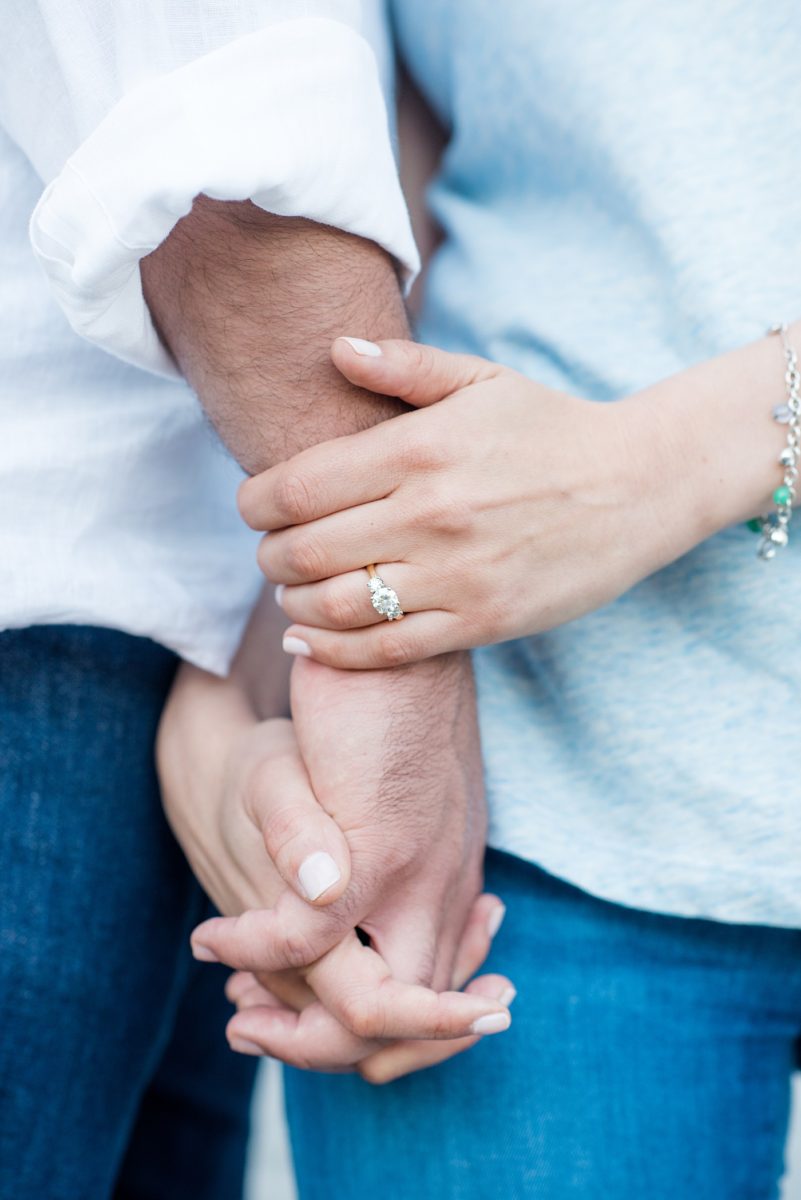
[774,527]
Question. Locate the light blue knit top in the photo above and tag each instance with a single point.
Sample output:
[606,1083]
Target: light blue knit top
[621,197]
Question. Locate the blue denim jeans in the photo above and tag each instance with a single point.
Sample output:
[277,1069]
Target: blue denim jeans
[115,1077]
[649,1057]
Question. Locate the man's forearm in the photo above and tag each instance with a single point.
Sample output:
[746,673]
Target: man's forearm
[249,303]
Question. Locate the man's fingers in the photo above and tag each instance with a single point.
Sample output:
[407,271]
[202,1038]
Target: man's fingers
[356,986]
[420,375]
[401,1058]
[271,939]
[306,845]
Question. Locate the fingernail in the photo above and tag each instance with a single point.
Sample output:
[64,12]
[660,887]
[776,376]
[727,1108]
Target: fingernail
[507,996]
[279,594]
[496,919]
[203,954]
[491,1023]
[317,874]
[367,349]
[243,1046]
[293,645]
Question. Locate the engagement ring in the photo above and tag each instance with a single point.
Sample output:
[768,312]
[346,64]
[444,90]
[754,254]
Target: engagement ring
[383,599]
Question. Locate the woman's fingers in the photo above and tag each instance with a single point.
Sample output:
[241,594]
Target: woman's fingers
[257,996]
[360,1005]
[352,990]
[285,988]
[328,478]
[306,845]
[315,1040]
[356,985]
[410,962]
[401,1058]
[344,601]
[237,983]
[486,917]
[387,644]
[420,375]
[334,544]
[312,1040]
[366,466]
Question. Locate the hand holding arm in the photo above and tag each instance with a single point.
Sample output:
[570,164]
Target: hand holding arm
[503,508]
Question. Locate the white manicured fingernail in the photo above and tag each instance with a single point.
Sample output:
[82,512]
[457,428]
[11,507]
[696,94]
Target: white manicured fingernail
[279,594]
[243,1046]
[366,349]
[203,954]
[496,919]
[317,874]
[507,996]
[293,645]
[491,1023]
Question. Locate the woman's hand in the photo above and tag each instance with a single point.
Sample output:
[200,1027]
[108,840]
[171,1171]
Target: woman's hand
[284,1018]
[503,509]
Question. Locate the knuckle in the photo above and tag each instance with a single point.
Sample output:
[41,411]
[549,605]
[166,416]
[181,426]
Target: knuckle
[295,950]
[341,610]
[364,1016]
[305,558]
[442,512]
[279,828]
[294,497]
[422,364]
[416,452]
[393,648]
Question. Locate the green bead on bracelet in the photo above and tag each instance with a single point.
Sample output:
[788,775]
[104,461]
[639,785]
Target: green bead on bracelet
[782,495]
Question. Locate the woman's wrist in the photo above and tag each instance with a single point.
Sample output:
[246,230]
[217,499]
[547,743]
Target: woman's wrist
[204,717]
[712,448]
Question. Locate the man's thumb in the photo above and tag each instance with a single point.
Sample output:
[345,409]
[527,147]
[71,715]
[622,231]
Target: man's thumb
[418,374]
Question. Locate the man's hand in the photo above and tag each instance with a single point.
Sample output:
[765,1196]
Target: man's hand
[235,787]
[402,780]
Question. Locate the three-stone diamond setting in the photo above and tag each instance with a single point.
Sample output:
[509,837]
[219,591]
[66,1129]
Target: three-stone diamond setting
[384,599]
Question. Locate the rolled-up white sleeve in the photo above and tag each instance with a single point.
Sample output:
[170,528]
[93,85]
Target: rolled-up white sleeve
[284,110]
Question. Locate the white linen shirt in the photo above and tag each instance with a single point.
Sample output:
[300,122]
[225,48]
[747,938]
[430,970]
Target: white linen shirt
[118,499]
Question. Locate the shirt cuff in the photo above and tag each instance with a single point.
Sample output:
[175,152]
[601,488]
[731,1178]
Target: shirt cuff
[291,117]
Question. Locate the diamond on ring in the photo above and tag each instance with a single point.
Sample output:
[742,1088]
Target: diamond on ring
[384,599]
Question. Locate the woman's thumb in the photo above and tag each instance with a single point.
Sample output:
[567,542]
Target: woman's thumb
[305,844]
[418,374]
